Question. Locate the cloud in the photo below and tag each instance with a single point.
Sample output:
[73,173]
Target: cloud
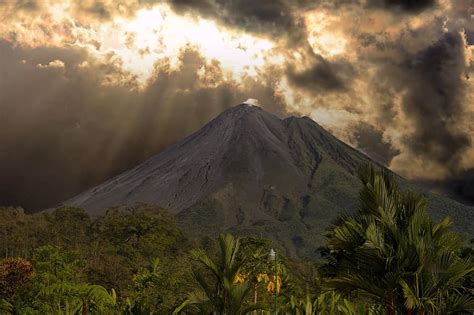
[52,64]
[321,75]
[433,89]
[270,18]
[370,140]
[252,101]
[69,130]
[22,5]
[404,5]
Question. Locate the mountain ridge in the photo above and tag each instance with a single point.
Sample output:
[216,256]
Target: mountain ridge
[249,172]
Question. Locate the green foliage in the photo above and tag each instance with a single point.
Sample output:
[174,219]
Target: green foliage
[253,255]
[219,291]
[57,285]
[68,298]
[391,253]
[258,269]
[53,264]
[156,289]
[75,259]
[5,307]
[330,303]
[389,257]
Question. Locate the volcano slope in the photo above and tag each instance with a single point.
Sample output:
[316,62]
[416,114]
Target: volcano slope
[251,173]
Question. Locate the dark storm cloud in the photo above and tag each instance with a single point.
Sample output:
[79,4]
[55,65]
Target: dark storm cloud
[106,10]
[459,186]
[404,5]
[370,141]
[322,75]
[63,130]
[26,5]
[275,18]
[98,10]
[434,82]
[470,36]
[29,5]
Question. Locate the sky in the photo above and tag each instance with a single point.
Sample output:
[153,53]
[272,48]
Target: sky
[91,88]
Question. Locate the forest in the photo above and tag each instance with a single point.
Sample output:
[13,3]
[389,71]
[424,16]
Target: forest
[388,257]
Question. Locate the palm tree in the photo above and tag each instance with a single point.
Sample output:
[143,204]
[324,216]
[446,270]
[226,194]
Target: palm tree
[219,292]
[390,252]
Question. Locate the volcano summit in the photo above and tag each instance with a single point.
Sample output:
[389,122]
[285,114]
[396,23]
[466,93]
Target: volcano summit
[249,172]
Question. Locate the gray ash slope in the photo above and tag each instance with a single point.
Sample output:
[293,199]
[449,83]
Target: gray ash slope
[252,173]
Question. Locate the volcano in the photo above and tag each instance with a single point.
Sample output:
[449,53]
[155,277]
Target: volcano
[249,172]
